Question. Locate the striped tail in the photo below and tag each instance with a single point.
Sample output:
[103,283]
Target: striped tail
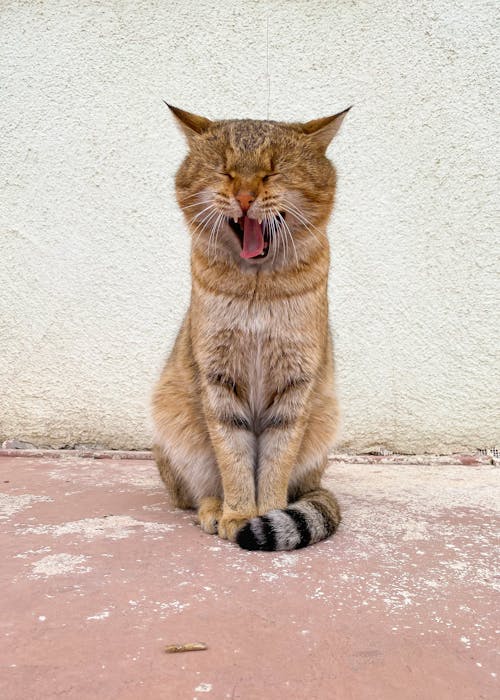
[314,517]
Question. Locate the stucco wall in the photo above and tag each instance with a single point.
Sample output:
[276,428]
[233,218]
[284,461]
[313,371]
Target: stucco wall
[94,273]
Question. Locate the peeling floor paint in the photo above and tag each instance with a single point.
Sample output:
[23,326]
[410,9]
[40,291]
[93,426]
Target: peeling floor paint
[59,564]
[11,504]
[401,600]
[113,527]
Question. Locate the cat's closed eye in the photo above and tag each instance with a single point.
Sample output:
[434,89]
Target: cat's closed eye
[266,178]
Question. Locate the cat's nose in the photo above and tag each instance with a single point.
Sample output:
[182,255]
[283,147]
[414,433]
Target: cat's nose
[245,199]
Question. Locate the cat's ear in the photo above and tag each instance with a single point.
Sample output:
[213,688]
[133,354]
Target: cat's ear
[191,124]
[323,130]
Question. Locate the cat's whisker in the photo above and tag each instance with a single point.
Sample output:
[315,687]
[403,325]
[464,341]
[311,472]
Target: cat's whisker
[201,225]
[271,238]
[213,233]
[281,243]
[288,237]
[292,209]
[266,232]
[302,222]
[213,238]
[219,225]
[197,204]
[206,218]
[299,211]
[210,206]
[270,234]
[200,228]
[282,239]
[194,194]
[289,233]
[281,232]
[204,221]
[287,228]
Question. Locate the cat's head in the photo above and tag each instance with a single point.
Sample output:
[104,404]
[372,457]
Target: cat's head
[256,192]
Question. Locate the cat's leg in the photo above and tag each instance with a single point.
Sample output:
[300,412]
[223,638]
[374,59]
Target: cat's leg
[305,480]
[279,447]
[313,512]
[183,451]
[280,442]
[319,435]
[234,445]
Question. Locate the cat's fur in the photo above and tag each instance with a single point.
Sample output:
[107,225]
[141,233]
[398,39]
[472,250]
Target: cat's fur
[245,410]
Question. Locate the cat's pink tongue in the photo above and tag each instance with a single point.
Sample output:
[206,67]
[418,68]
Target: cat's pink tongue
[253,240]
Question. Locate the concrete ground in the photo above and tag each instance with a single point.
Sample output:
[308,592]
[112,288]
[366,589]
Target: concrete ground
[99,574]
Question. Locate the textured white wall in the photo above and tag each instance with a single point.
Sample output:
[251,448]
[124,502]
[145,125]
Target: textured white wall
[94,272]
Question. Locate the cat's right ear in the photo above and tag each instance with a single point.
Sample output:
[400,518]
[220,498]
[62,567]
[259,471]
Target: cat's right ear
[191,124]
[322,131]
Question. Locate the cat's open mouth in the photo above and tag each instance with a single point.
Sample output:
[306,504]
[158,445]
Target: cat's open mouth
[253,237]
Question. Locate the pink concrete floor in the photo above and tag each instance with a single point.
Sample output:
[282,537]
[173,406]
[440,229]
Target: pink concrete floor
[99,574]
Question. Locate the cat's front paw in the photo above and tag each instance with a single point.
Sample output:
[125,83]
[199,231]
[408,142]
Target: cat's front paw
[230,525]
[209,514]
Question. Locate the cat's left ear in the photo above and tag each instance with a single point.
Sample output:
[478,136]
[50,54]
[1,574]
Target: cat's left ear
[191,124]
[323,130]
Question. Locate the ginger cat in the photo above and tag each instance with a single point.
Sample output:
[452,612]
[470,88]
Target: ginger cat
[245,410]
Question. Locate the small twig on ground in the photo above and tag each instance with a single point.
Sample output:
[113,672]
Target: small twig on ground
[193,646]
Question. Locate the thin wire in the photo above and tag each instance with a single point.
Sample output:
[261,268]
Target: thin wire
[268,77]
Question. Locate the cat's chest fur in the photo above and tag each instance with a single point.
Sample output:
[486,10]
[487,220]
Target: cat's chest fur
[258,346]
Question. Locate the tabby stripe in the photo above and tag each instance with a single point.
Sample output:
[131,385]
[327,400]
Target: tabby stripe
[246,538]
[291,385]
[255,535]
[240,422]
[285,530]
[278,422]
[255,526]
[328,516]
[269,544]
[235,422]
[302,526]
[223,380]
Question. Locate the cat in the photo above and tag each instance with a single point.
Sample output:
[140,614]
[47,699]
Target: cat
[245,409]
